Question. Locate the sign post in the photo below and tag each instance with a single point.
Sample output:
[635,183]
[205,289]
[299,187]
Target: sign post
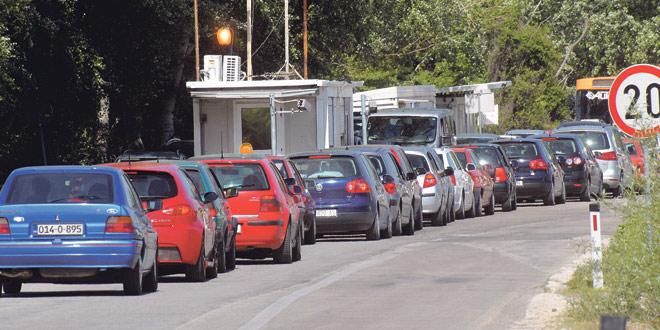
[596,245]
[634,102]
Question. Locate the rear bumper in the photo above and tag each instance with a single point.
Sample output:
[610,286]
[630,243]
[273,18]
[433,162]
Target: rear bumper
[345,223]
[502,191]
[532,189]
[431,203]
[187,239]
[70,254]
[260,234]
[575,182]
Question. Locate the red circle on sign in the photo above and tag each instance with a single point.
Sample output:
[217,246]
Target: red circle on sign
[614,113]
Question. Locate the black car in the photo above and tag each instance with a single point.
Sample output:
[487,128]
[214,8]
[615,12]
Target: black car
[501,171]
[582,175]
[538,173]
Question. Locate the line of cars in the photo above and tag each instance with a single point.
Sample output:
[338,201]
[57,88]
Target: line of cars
[132,221]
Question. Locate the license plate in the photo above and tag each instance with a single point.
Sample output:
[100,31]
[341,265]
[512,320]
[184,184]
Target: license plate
[238,229]
[70,229]
[326,213]
[519,183]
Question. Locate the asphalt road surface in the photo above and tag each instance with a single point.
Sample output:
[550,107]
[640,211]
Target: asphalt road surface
[473,274]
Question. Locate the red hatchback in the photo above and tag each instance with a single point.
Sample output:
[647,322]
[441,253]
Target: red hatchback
[483,183]
[180,215]
[268,213]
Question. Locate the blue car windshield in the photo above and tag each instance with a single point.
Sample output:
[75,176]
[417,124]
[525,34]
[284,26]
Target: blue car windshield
[43,188]
[326,167]
[520,150]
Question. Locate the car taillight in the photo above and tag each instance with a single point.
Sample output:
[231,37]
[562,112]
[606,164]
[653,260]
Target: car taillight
[390,188]
[4,226]
[453,180]
[574,161]
[269,204]
[538,164]
[119,225]
[357,186]
[178,210]
[430,180]
[610,155]
[500,175]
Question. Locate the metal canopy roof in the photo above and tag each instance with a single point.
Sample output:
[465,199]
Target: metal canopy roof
[252,94]
[474,88]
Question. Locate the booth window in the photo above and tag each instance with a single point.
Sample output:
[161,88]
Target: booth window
[255,127]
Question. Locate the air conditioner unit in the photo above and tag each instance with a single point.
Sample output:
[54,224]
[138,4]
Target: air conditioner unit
[231,68]
[212,68]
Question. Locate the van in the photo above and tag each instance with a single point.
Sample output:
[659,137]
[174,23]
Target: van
[430,127]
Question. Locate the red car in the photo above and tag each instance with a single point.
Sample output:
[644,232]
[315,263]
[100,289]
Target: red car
[636,152]
[269,218]
[181,216]
[483,183]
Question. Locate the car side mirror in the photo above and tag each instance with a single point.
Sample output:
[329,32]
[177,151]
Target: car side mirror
[411,176]
[290,181]
[210,196]
[295,190]
[387,179]
[470,167]
[449,171]
[231,192]
[420,171]
[150,205]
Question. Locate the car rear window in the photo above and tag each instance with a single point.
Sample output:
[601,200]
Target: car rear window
[326,168]
[595,140]
[243,177]
[562,147]
[40,188]
[377,163]
[418,161]
[488,155]
[462,158]
[153,184]
[520,150]
[197,180]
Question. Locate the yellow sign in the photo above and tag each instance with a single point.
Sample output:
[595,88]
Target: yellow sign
[246,148]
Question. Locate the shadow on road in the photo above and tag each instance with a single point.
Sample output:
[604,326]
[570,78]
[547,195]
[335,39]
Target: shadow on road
[46,294]
[341,238]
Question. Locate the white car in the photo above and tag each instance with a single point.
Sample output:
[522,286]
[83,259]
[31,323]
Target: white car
[435,189]
[463,184]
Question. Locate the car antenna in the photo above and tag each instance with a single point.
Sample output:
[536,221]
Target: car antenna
[129,159]
[157,157]
[222,148]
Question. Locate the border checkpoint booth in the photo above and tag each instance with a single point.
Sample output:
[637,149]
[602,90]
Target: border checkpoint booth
[276,116]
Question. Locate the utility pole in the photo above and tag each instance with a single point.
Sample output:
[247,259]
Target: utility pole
[286,36]
[305,39]
[249,39]
[197,69]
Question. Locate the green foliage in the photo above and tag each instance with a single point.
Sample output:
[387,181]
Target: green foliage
[630,268]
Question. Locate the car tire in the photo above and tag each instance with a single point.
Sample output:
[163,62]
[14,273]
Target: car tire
[476,205]
[12,287]
[409,228]
[562,197]
[310,236]
[437,219]
[549,199]
[461,209]
[585,196]
[507,206]
[133,280]
[150,281]
[373,234]
[297,248]
[396,228]
[387,232]
[230,256]
[220,260]
[490,209]
[284,254]
[452,214]
[197,272]
[419,219]
[514,201]
[618,192]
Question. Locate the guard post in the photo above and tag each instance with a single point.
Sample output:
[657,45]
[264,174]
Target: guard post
[596,245]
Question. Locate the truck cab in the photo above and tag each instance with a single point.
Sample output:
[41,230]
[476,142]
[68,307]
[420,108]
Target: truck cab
[430,127]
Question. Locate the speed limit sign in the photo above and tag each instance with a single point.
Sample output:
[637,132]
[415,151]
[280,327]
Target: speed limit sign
[635,100]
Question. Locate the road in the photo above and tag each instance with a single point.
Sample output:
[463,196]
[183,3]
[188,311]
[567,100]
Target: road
[473,274]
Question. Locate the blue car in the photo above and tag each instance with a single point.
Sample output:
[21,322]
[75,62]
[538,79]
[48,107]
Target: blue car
[75,224]
[349,196]
[538,173]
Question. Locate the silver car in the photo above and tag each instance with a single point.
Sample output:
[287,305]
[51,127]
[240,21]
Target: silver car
[463,184]
[435,188]
[608,147]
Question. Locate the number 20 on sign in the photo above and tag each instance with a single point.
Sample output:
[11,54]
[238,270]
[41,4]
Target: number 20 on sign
[634,102]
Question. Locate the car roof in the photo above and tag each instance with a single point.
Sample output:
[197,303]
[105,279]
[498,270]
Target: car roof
[67,169]
[583,123]
[331,152]
[183,163]
[528,140]
[559,136]
[148,155]
[417,148]
[523,131]
[145,166]
[479,144]
[230,156]
[586,128]
[413,112]
[476,135]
